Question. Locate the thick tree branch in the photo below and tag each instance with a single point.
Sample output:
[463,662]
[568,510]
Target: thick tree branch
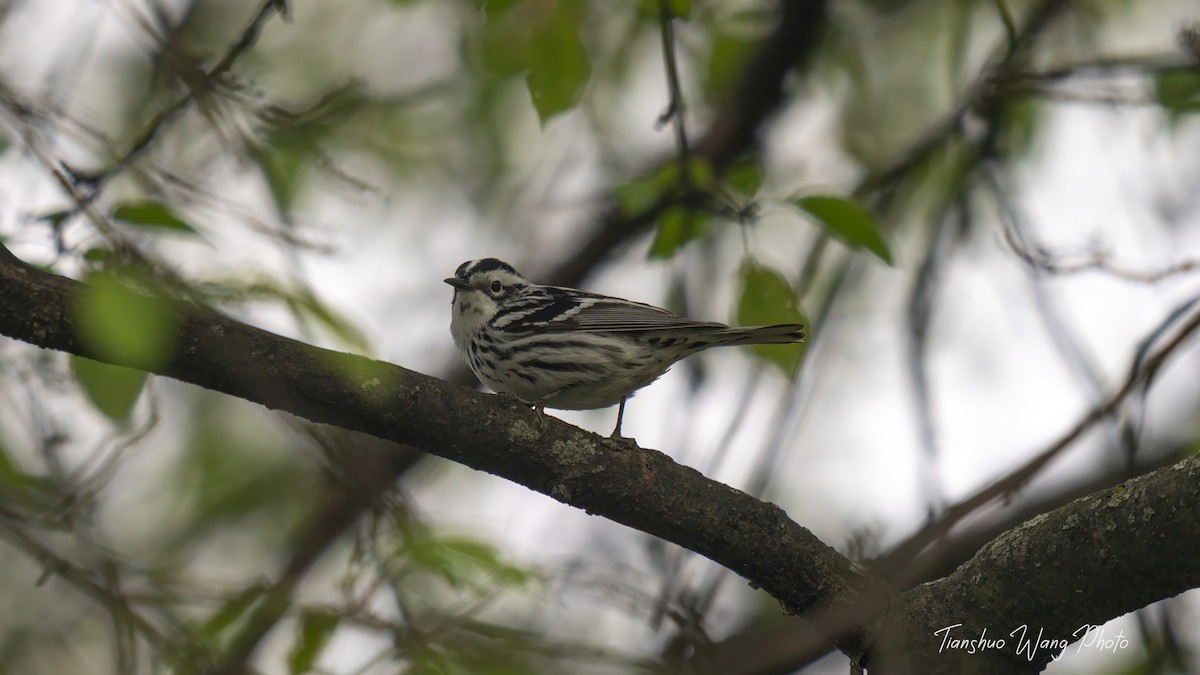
[780,647]
[1090,561]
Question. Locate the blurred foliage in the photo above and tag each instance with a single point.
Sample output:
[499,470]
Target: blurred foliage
[357,101]
[121,324]
[233,608]
[302,304]
[745,176]
[112,389]
[153,214]
[848,222]
[228,477]
[767,298]
[733,39]
[315,629]
[460,562]
[1178,89]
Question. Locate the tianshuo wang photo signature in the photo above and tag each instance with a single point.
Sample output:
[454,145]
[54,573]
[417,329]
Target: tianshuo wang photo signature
[1025,641]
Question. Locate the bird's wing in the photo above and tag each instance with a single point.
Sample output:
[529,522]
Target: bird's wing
[631,316]
[550,308]
[604,313]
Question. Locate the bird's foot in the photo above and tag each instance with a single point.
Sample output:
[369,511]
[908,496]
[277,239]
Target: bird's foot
[623,440]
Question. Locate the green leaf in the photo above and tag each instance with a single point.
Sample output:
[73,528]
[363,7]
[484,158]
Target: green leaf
[503,43]
[558,63]
[745,175]
[98,256]
[305,305]
[677,226]
[284,166]
[768,299]
[700,173]
[459,561]
[112,389]
[680,9]
[677,9]
[150,213]
[17,483]
[10,474]
[1019,119]
[55,218]
[847,221]
[123,326]
[315,629]
[484,558]
[494,7]
[641,194]
[228,476]
[958,38]
[293,138]
[1178,89]
[729,54]
[232,610]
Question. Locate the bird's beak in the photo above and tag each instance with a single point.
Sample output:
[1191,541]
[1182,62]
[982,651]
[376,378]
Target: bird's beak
[457,283]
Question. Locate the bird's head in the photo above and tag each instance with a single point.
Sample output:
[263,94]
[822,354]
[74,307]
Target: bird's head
[480,288]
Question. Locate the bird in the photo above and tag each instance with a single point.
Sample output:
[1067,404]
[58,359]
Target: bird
[563,348]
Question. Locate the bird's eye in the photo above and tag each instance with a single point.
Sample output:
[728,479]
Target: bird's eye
[497,287]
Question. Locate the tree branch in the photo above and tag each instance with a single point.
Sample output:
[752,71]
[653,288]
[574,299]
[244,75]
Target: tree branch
[779,647]
[1140,373]
[199,84]
[641,488]
[1088,562]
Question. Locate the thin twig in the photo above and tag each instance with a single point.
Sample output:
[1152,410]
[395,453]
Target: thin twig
[197,88]
[1014,481]
[1061,335]
[1036,258]
[1096,261]
[677,108]
[919,314]
[1010,26]
[115,603]
[1148,63]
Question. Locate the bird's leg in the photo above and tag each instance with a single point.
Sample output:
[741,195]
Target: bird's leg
[616,434]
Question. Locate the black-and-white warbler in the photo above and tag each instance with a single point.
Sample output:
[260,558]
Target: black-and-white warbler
[562,348]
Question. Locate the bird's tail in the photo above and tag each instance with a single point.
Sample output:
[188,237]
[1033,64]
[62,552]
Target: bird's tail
[783,333]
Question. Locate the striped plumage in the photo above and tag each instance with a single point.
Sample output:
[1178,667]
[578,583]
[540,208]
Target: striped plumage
[562,348]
